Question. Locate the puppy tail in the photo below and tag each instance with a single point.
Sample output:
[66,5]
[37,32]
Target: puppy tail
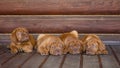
[41,36]
[75,33]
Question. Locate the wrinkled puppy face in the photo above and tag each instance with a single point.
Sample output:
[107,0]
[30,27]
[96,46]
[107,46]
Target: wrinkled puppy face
[91,47]
[22,35]
[56,48]
[75,47]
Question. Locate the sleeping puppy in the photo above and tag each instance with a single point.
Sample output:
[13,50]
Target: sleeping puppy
[21,41]
[72,44]
[49,44]
[93,45]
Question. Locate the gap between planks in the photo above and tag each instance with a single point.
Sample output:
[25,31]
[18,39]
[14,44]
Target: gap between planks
[26,60]
[116,57]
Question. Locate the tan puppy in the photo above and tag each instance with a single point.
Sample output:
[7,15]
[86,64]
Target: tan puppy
[21,41]
[72,44]
[93,45]
[49,44]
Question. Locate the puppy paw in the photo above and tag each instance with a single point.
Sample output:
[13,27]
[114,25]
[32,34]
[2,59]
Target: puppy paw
[44,53]
[65,52]
[14,51]
[102,52]
[90,53]
[28,51]
[105,52]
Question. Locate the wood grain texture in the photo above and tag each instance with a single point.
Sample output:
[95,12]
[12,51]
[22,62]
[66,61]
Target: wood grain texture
[6,57]
[21,58]
[61,23]
[116,51]
[72,61]
[90,61]
[34,60]
[53,61]
[109,61]
[60,7]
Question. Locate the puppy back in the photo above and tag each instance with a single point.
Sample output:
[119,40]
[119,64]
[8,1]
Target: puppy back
[41,36]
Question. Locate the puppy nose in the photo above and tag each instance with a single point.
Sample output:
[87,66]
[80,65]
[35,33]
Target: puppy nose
[75,49]
[57,51]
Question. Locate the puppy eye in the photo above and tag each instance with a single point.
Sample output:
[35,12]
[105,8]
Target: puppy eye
[78,46]
[60,44]
[89,46]
[52,47]
[71,45]
[18,33]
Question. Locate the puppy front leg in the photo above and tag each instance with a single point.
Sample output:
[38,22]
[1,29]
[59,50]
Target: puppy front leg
[102,49]
[43,51]
[27,48]
[102,52]
[13,49]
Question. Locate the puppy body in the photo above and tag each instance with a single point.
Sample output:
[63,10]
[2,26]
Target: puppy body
[49,44]
[72,44]
[93,45]
[20,43]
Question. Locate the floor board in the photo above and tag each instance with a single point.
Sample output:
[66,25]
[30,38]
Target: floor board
[109,61]
[35,60]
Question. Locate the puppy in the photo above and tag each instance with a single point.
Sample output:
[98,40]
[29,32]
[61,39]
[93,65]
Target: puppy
[21,41]
[49,44]
[93,45]
[72,44]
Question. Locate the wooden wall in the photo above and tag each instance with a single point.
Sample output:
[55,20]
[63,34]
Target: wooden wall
[58,16]
[61,23]
[51,7]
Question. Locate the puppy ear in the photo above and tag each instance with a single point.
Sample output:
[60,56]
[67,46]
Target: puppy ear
[24,29]
[86,38]
[32,40]
[13,36]
[75,33]
[48,46]
[82,45]
[101,45]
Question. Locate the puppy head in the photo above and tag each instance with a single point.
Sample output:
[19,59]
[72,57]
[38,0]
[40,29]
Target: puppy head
[56,48]
[20,35]
[91,46]
[75,47]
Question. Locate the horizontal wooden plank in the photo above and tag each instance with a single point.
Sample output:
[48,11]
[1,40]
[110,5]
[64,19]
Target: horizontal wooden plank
[37,59]
[60,7]
[108,39]
[90,61]
[72,61]
[53,61]
[17,61]
[116,51]
[6,57]
[109,61]
[61,23]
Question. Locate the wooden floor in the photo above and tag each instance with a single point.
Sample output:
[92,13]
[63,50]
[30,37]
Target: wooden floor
[35,60]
